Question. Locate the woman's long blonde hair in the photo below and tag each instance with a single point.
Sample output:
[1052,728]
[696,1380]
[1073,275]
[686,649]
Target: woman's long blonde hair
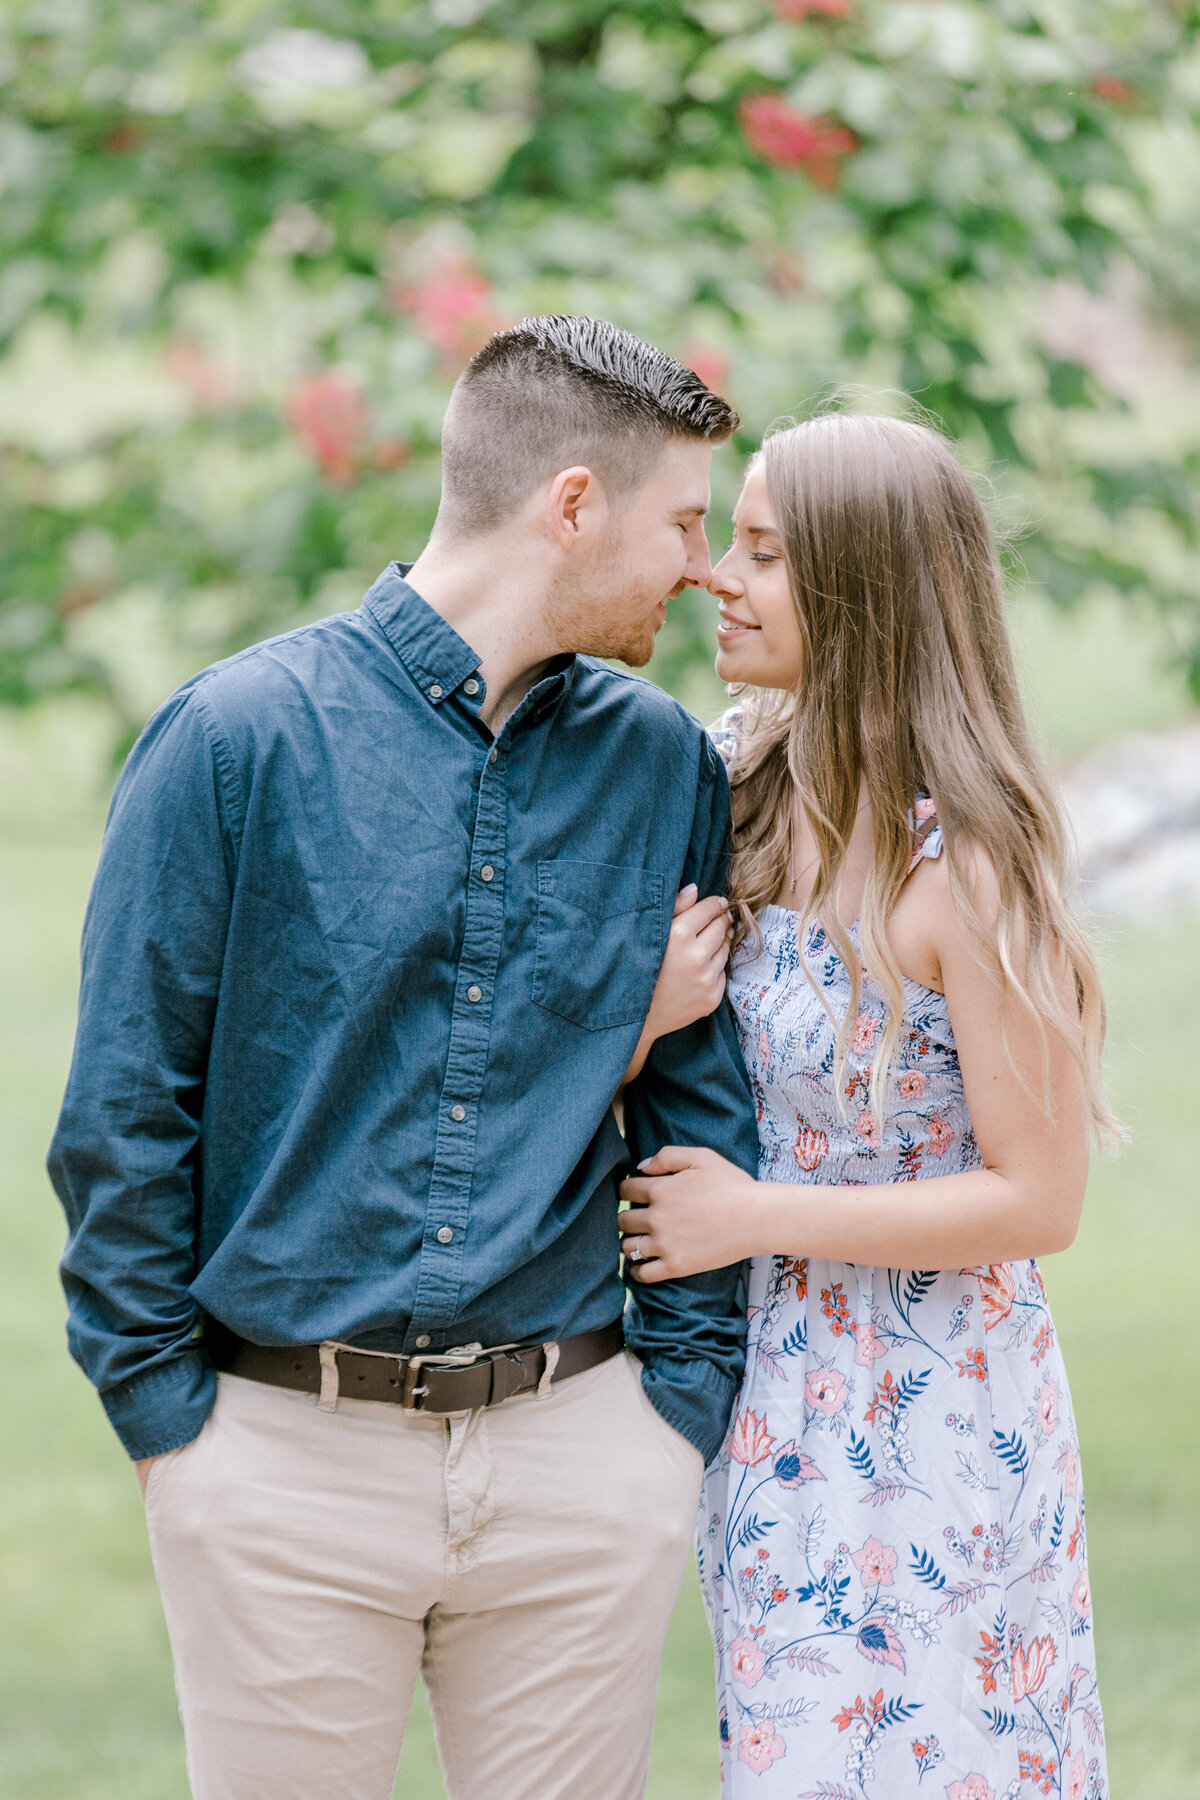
[908,683]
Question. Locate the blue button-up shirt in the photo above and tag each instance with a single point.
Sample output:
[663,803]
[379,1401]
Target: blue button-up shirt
[360,982]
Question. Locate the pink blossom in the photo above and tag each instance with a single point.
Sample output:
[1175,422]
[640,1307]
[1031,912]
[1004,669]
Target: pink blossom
[750,1441]
[912,1084]
[940,1136]
[760,1746]
[800,9]
[971,1787]
[1071,1475]
[452,306]
[862,1039]
[329,416]
[868,1349]
[997,1290]
[1076,1776]
[1081,1595]
[866,1128]
[875,1562]
[795,140]
[1047,1407]
[826,1390]
[711,365]
[748,1661]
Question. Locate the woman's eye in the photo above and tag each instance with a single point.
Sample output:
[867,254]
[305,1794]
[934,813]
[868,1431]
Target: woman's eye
[761,556]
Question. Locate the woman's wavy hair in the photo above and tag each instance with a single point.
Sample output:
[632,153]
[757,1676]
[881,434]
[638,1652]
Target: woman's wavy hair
[908,685]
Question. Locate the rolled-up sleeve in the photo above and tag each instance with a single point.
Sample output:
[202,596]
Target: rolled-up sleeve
[123,1159]
[694,1090]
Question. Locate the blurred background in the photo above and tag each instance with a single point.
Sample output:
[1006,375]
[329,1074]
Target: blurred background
[245,248]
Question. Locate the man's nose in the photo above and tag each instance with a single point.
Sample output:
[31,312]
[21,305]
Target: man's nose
[699,564]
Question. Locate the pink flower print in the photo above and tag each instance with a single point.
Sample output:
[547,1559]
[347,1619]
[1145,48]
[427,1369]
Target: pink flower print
[862,1039]
[912,1084]
[923,808]
[1070,1464]
[1031,1666]
[868,1349]
[940,1136]
[1076,1777]
[764,1051]
[750,1441]
[1047,1408]
[748,1661]
[875,1562]
[867,1129]
[1081,1596]
[997,1290]
[760,1746]
[795,140]
[826,1390]
[971,1787]
[812,1147]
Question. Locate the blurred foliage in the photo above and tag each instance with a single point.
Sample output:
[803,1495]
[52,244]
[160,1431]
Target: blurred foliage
[246,246]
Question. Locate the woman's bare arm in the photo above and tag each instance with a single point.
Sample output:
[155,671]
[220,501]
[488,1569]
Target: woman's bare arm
[694,1211]
[691,982]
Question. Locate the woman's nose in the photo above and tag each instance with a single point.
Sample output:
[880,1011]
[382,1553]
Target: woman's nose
[724,580]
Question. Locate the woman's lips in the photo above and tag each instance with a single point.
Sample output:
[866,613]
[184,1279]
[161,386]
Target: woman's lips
[732,628]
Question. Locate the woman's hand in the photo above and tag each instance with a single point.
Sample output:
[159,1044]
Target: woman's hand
[691,1210]
[691,982]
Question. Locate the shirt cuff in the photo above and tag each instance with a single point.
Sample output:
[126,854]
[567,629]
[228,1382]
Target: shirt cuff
[694,1396]
[165,1406]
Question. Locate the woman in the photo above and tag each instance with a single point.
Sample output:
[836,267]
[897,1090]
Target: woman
[892,1543]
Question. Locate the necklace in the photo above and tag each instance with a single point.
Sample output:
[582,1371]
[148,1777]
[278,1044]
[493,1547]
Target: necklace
[811,863]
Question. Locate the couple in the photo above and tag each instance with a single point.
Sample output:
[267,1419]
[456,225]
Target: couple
[389,911]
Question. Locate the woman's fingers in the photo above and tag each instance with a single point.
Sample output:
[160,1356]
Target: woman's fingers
[692,920]
[686,898]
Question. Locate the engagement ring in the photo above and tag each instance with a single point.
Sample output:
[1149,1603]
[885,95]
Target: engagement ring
[634,1250]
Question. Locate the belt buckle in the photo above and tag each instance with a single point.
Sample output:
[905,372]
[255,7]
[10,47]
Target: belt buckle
[411,1393]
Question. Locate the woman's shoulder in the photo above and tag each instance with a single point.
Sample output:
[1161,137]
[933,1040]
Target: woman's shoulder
[726,733]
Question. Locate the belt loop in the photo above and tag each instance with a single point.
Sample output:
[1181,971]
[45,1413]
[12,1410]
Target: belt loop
[543,1386]
[328,1399]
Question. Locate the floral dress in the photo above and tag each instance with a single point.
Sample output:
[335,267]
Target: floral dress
[891,1543]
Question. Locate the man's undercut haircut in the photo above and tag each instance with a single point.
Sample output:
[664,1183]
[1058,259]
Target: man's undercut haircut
[557,392]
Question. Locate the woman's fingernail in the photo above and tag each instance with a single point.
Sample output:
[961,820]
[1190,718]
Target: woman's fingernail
[645,1163]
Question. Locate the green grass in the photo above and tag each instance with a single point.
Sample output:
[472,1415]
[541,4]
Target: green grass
[86,1703]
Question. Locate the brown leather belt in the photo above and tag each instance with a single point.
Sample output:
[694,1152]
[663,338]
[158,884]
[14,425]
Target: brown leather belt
[442,1382]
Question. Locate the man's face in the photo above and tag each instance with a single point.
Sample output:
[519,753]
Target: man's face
[614,602]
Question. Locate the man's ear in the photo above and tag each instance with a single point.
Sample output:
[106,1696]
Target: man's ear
[574,499]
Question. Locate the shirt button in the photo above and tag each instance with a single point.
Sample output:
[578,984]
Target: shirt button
[487,872]
[424,1341]
[458,1114]
[493,756]
[474,995]
[445,1235]
[435,692]
[471,687]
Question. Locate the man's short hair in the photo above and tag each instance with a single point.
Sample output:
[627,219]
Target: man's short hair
[559,391]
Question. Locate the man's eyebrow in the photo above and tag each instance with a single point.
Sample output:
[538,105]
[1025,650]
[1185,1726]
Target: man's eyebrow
[695,511]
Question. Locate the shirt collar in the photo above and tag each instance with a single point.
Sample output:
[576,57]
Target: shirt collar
[431,650]
[436,657]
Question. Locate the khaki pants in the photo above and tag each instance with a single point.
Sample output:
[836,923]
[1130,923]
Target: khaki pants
[525,1559]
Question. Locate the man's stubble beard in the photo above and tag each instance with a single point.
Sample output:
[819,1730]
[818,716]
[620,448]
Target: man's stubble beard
[596,614]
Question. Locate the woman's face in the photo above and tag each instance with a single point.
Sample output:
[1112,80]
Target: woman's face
[758,635]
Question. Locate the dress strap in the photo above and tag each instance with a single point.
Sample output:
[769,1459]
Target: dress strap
[927,833]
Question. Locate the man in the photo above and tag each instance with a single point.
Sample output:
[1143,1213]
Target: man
[374,935]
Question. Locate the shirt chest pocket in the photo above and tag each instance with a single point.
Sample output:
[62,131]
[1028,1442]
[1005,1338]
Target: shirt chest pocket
[599,942]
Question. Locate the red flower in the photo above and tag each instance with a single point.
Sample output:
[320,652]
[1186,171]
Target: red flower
[812,1147]
[329,416]
[451,307]
[750,1442]
[794,140]
[1111,87]
[712,366]
[800,9]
